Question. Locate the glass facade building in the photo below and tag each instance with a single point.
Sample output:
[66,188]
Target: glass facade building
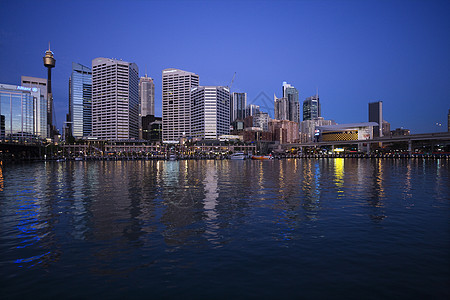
[291,95]
[23,113]
[238,104]
[311,108]
[80,101]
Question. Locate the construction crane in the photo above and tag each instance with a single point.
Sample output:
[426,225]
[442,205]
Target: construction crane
[232,80]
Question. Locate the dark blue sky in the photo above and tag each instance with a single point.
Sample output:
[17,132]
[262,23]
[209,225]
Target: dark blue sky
[354,52]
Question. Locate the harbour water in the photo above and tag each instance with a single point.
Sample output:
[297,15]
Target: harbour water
[221,229]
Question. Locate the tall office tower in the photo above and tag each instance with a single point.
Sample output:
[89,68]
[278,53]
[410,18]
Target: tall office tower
[281,108]
[80,101]
[41,84]
[23,113]
[115,99]
[251,110]
[376,115]
[291,94]
[176,103]
[147,96]
[311,108]
[210,111]
[49,63]
[238,104]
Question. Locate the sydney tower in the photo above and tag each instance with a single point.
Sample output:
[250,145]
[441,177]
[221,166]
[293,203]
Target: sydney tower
[49,63]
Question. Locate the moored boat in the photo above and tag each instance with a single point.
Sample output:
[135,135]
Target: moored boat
[262,157]
[238,156]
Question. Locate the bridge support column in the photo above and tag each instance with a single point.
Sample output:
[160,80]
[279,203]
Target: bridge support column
[409,147]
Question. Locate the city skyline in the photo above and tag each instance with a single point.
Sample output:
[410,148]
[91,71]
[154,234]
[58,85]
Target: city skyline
[355,53]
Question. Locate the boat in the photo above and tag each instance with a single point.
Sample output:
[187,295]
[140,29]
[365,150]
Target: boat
[78,158]
[262,157]
[238,156]
[172,156]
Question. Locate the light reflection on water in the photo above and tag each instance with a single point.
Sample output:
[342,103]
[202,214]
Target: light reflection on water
[167,226]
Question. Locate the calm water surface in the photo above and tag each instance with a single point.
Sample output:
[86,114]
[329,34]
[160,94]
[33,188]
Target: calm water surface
[311,228]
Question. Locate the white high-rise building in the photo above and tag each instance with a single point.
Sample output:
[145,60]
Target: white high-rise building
[115,99]
[176,104]
[147,96]
[210,111]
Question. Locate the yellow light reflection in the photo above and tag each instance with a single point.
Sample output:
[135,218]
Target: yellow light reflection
[339,173]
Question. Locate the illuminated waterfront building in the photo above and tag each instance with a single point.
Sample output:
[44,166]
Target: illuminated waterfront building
[80,101]
[23,113]
[115,99]
[210,111]
[176,103]
[308,128]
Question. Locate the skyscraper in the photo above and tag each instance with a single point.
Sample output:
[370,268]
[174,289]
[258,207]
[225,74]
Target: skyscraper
[251,110]
[281,108]
[176,103]
[311,108]
[210,111]
[41,84]
[23,113]
[80,101]
[147,96]
[115,99]
[238,104]
[291,94]
[376,115]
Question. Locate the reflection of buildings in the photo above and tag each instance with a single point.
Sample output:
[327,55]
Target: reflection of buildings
[210,184]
